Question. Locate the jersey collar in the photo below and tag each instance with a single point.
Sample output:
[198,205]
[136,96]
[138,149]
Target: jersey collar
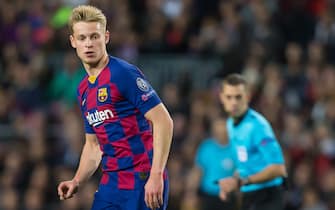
[239,119]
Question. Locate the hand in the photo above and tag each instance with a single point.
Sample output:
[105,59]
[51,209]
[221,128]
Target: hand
[154,191]
[227,185]
[67,189]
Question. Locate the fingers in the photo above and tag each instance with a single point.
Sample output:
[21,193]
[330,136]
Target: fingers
[61,191]
[157,200]
[160,199]
[147,199]
[69,192]
[153,200]
[66,190]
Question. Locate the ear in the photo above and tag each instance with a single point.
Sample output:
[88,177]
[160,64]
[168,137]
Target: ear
[107,36]
[73,43]
[248,95]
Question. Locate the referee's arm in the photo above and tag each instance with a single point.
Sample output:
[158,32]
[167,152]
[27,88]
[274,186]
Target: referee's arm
[272,154]
[270,172]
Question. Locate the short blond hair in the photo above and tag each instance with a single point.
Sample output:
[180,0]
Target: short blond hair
[86,13]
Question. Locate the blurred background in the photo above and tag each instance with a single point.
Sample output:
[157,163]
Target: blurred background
[285,48]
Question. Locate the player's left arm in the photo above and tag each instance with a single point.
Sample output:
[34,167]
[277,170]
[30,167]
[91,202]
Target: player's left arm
[162,136]
[137,90]
[271,151]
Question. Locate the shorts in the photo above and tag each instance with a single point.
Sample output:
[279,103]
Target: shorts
[211,202]
[109,198]
[270,198]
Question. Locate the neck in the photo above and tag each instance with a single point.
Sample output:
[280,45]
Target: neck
[239,118]
[95,69]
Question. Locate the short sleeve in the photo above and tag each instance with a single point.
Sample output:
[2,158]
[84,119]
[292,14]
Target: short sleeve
[87,126]
[267,144]
[136,89]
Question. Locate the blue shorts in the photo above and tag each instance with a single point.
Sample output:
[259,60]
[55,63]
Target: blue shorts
[108,198]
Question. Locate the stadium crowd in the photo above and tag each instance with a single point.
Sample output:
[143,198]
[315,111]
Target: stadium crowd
[285,48]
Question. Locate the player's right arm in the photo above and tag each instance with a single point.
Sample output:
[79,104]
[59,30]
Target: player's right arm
[89,162]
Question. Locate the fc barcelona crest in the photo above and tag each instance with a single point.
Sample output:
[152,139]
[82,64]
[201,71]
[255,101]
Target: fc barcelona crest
[102,94]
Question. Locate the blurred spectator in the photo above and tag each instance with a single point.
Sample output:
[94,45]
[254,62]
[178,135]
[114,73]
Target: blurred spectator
[33,199]
[9,199]
[295,79]
[301,180]
[269,100]
[177,172]
[316,54]
[327,186]
[325,32]
[64,84]
[311,200]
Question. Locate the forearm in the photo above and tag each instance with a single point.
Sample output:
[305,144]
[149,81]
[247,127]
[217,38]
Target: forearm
[268,173]
[162,137]
[89,162]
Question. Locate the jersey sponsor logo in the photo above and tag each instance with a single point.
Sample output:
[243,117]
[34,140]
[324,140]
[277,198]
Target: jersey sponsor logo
[102,94]
[98,117]
[142,84]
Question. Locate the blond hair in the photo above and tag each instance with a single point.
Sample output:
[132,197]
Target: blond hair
[86,13]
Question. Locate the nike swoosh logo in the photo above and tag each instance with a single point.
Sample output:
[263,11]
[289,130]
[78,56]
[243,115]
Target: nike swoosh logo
[97,123]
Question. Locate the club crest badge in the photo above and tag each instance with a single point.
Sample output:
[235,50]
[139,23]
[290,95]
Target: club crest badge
[143,175]
[102,94]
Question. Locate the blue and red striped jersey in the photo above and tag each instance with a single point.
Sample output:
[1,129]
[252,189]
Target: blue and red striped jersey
[113,107]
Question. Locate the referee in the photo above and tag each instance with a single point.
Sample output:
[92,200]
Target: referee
[260,163]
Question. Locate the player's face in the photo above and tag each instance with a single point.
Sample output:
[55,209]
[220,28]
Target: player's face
[234,99]
[89,39]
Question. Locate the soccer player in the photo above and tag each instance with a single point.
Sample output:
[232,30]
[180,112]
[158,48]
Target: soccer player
[128,129]
[260,162]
